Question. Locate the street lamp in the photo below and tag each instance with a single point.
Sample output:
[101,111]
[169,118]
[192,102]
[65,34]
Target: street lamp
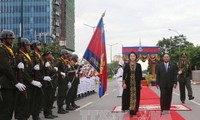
[178,36]
[111,50]
[93,27]
[174,31]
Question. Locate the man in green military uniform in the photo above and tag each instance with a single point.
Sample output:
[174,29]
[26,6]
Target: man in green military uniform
[49,75]
[36,92]
[24,70]
[184,77]
[8,79]
[73,76]
[63,67]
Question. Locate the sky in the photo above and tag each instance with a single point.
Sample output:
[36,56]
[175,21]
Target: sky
[129,21]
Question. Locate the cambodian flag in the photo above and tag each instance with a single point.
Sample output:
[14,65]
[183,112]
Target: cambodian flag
[95,54]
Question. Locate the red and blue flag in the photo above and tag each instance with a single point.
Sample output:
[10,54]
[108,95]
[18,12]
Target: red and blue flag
[95,54]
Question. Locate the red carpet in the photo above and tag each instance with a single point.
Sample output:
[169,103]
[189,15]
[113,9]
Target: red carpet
[154,107]
[149,97]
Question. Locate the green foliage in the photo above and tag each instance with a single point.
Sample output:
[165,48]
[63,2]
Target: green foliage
[149,78]
[112,68]
[55,49]
[177,45]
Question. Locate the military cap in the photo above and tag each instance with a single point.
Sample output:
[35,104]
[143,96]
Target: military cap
[74,57]
[25,41]
[5,34]
[64,51]
[46,53]
[183,55]
[34,43]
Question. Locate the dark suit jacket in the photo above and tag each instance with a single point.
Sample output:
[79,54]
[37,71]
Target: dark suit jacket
[166,78]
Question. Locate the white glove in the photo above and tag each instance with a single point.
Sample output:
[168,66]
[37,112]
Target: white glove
[63,74]
[47,78]
[36,83]
[37,67]
[20,65]
[47,64]
[114,77]
[76,74]
[69,85]
[180,72]
[20,86]
[56,68]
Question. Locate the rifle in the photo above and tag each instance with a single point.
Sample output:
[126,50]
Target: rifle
[23,94]
[1,98]
[76,70]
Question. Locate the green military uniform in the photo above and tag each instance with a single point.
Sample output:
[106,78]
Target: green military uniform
[48,88]
[184,77]
[62,84]
[7,82]
[22,107]
[75,83]
[36,92]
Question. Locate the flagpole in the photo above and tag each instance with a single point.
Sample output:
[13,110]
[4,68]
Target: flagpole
[103,14]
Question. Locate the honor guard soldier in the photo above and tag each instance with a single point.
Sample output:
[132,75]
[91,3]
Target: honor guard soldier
[184,76]
[62,66]
[49,75]
[73,76]
[36,92]
[24,70]
[8,79]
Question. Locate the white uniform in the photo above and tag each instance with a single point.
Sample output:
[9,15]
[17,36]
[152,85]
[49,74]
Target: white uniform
[118,77]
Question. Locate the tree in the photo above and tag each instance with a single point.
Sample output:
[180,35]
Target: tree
[55,48]
[112,68]
[176,46]
[173,45]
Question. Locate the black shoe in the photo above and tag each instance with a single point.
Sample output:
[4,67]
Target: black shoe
[132,112]
[191,97]
[55,116]
[36,118]
[75,106]
[183,101]
[49,116]
[70,108]
[62,111]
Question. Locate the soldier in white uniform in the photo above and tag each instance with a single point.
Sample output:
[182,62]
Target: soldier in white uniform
[118,78]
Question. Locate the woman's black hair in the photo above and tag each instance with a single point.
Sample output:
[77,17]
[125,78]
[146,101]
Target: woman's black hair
[130,55]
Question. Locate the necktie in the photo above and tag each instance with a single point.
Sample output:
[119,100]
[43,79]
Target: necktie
[166,67]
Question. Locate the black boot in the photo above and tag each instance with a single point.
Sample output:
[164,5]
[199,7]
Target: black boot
[69,107]
[36,118]
[62,111]
[75,106]
[191,97]
[132,112]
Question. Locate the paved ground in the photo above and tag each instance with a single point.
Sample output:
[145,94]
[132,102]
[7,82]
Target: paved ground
[95,108]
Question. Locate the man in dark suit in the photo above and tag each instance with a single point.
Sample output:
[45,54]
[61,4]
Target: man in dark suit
[166,79]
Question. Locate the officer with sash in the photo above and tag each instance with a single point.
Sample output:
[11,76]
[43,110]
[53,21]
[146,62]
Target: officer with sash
[8,79]
[184,77]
